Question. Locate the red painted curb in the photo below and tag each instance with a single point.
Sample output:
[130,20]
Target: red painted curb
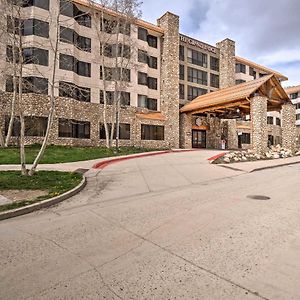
[216,156]
[103,164]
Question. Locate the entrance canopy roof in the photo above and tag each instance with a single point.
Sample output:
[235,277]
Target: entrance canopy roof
[239,97]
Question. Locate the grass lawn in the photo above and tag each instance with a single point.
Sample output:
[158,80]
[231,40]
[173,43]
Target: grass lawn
[54,182]
[62,154]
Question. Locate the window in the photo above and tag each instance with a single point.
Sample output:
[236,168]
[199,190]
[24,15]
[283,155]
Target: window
[197,58]
[214,80]
[152,83]
[181,72]
[69,63]
[70,90]
[30,84]
[117,74]
[152,62]
[181,91]
[298,117]
[73,129]
[270,120]
[270,140]
[142,34]
[142,78]
[214,63]
[181,52]
[297,106]
[239,81]
[69,9]
[144,101]
[294,96]
[152,132]
[251,71]
[262,75]
[194,92]
[245,138]
[143,57]
[124,98]
[197,76]
[68,35]
[44,4]
[10,54]
[278,121]
[35,56]
[240,68]
[124,131]
[35,27]
[35,126]
[16,126]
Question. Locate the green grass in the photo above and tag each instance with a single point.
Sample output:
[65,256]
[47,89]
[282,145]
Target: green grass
[62,154]
[54,182]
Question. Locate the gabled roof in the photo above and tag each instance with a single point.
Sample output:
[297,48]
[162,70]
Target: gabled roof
[292,89]
[239,96]
[260,67]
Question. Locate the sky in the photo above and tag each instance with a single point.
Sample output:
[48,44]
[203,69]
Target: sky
[265,31]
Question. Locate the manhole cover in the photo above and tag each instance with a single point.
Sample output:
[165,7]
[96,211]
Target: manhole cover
[258,197]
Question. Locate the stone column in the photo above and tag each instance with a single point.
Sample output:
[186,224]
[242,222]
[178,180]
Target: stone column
[227,63]
[213,135]
[185,131]
[259,136]
[231,137]
[169,94]
[289,126]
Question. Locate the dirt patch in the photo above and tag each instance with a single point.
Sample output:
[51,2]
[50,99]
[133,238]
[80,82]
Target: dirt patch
[20,195]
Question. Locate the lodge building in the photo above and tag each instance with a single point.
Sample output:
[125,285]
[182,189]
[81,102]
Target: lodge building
[169,72]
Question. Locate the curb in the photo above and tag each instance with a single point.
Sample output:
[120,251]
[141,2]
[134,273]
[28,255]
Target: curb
[211,159]
[276,166]
[103,164]
[43,204]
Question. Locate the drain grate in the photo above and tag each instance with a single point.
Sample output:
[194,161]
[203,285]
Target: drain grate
[258,197]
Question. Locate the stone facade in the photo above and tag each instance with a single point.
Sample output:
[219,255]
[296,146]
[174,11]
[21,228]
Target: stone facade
[259,138]
[227,63]
[214,134]
[289,126]
[185,131]
[169,77]
[230,133]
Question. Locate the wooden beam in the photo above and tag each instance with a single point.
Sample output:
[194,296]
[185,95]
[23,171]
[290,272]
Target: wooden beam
[223,106]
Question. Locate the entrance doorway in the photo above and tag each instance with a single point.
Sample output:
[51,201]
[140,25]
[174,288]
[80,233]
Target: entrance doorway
[198,138]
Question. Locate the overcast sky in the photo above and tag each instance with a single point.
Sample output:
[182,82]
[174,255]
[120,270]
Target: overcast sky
[265,31]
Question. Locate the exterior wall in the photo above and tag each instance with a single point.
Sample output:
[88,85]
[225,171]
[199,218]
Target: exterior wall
[229,131]
[38,105]
[288,126]
[227,63]
[170,77]
[185,130]
[259,139]
[213,135]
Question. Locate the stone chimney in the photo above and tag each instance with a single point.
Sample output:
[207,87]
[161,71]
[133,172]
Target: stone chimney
[169,93]
[227,63]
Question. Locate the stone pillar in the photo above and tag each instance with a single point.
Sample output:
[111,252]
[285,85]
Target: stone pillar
[289,126]
[231,133]
[169,94]
[213,135]
[227,63]
[259,136]
[185,131]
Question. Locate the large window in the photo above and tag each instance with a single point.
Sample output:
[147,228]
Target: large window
[197,76]
[214,80]
[181,91]
[119,50]
[197,58]
[181,52]
[239,81]
[124,98]
[114,26]
[67,8]
[144,36]
[278,121]
[30,84]
[240,68]
[70,90]
[117,74]
[144,101]
[270,120]
[34,126]
[144,79]
[245,138]
[68,62]
[181,72]
[214,63]
[294,95]
[35,56]
[143,57]
[152,132]
[124,131]
[68,35]
[44,4]
[35,27]
[73,129]
[194,92]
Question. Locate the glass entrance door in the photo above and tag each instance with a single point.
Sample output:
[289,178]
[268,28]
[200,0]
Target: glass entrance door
[199,139]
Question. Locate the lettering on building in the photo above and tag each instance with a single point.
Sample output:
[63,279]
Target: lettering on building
[198,44]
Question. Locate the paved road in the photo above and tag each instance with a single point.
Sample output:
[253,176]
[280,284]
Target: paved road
[163,227]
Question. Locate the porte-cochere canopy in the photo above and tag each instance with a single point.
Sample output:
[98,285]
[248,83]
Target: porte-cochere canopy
[239,97]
